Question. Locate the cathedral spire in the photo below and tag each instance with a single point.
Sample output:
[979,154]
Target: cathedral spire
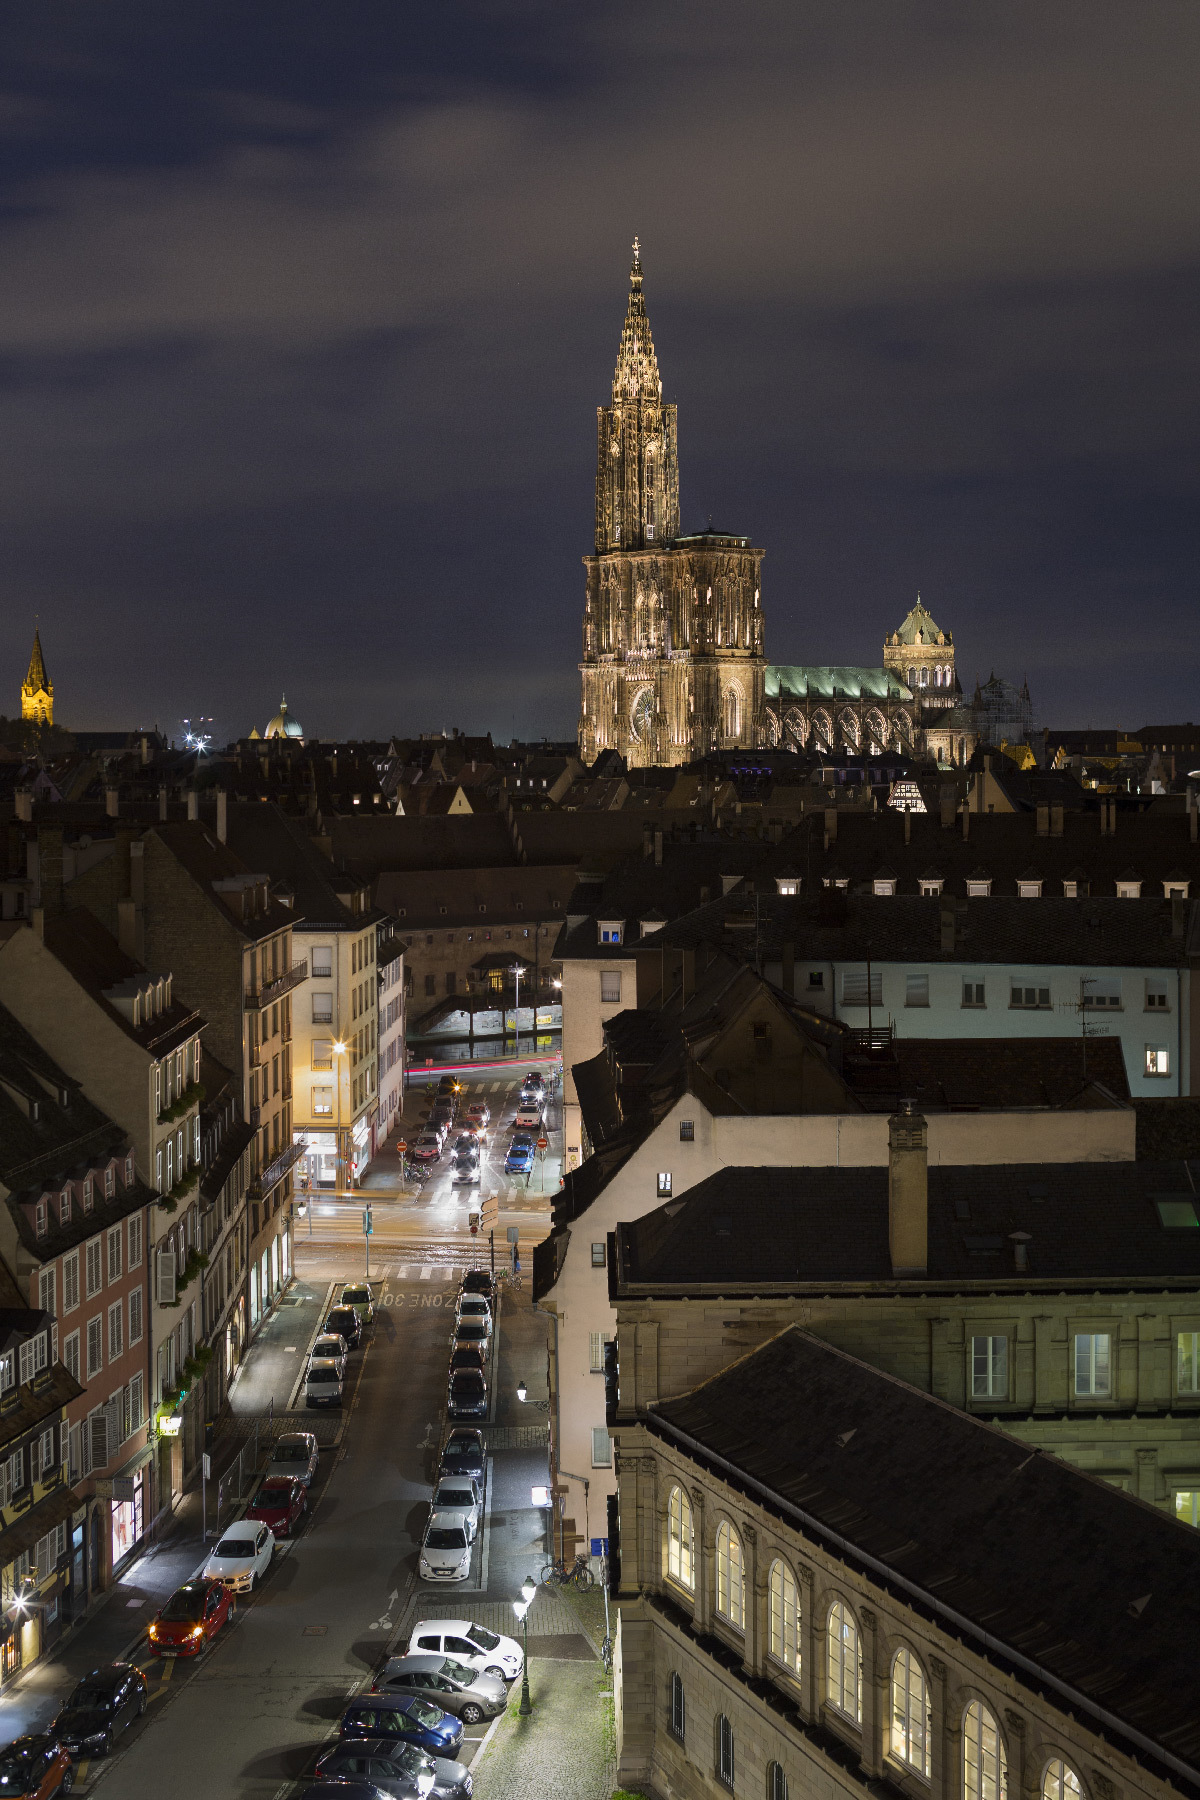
[636,376]
[37,690]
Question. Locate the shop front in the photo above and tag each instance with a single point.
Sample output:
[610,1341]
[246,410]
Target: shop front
[129,1508]
[318,1167]
[362,1146]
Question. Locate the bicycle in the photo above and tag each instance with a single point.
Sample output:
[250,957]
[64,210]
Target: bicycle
[578,1575]
[606,1655]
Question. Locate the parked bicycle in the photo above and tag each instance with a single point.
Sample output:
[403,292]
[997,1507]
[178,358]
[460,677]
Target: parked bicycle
[577,1574]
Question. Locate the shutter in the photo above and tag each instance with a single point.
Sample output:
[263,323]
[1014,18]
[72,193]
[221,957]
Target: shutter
[166,1275]
[99,1437]
[84,1454]
[64,1443]
[116,1435]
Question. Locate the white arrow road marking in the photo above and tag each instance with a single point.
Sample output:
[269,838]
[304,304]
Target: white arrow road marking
[385,1623]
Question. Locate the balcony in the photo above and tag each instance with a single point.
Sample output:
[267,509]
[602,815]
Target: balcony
[274,990]
[275,1170]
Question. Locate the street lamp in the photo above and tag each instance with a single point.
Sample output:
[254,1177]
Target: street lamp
[521,1608]
[515,971]
[522,1392]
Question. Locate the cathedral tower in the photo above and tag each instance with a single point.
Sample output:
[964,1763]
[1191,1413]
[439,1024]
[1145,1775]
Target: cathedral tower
[37,689]
[673,659]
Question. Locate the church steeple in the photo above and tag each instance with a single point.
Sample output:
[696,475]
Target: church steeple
[637,471]
[636,376]
[37,689]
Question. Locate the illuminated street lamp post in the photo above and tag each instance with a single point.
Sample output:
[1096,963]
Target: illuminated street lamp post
[515,972]
[521,1608]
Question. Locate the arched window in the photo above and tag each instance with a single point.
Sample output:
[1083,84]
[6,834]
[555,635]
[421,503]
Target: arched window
[784,1610]
[985,1766]
[730,1595]
[912,1728]
[845,1662]
[1060,1782]
[675,1713]
[776,1782]
[680,1561]
[724,1750]
[733,711]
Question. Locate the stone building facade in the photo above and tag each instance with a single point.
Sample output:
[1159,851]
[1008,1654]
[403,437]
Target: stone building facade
[673,656]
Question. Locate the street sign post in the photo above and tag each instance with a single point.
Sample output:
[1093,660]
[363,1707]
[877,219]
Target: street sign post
[473,1222]
[543,1144]
[368,1228]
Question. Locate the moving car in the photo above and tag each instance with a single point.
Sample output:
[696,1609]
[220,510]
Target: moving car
[479,1281]
[466,1356]
[36,1767]
[528,1118]
[519,1160]
[403,1716]
[468,1643]
[461,1498]
[101,1705]
[242,1556]
[467,1395]
[295,1454]
[191,1618]
[329,1347]
[323,1382]
[281,1503]
[466,1170]
[466,1142]
[445,1549]
[476,1332]
[343,1322]
[463,1454]
[427,1148]
[534,1078]
[400,1770]
[479,1113]
[358,1295]
[451,1685]
[472,1306]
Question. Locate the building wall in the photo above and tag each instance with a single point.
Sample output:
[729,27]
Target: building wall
[441,961]
[393,1020]
[784,1715]
[337,1092]
[584,1013]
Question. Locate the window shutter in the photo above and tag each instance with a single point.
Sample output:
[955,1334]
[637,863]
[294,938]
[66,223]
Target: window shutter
[166,1275]
[98,1447]
[114,1419]
[64,1443]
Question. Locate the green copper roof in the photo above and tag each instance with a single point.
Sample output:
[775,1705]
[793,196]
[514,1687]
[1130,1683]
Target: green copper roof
[809,681]
[920,620]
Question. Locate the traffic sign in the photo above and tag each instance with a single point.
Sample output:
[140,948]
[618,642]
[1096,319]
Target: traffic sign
[473,1222]
[401,1146]
[543,1143]
[368,1222]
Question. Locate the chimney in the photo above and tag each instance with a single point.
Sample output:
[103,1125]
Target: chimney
[112,802]
[193,800]
[647,840]
[908,825]
[830,826]
[1178,913]
[1043,820]
[23,801]
[145,751]
[658,844]
[222,815]
[908,1191]
[127,927]
[1020,1243]
[947,926]
[1056,819]
[162,805]
[137,873]
[947,806]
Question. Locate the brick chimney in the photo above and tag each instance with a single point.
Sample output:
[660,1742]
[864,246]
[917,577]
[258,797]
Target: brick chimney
[193,804]
[908,1191]
[222,815]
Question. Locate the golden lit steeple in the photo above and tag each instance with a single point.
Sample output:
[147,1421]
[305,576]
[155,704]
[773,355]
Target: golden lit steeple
[636,376]
[37,689]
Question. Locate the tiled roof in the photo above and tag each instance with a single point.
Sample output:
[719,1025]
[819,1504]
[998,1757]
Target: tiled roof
[803,1228]
[1016,1549]
[42,1151]
[96,961]
[207,860]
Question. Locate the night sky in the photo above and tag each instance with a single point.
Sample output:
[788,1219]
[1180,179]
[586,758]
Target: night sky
[305,311]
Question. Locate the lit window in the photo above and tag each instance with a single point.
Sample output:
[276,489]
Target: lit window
[1060,1782]
[789,887]
[730,1592]
[784,1616]
[989,1368]
[664,1184]
[675,1717]
[724,1751]
[610,930]
[1093,1364]
[985,1766]
[1129,890]
[1187,1506]
[844,1662]
[680,1541]
[1158,1059]
[322,1102]
[912,1720]
[1187,1362]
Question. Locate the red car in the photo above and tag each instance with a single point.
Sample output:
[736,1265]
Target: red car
[37,1768]
[280,1502]
[191,1618]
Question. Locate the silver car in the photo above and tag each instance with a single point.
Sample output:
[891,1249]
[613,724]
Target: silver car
[295,1454]
[445,1549]
[329,1347]
[447,1683]
[323,1383]
[460,1497]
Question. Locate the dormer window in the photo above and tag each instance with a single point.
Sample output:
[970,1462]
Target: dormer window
[788,885]
[41,1218]
[979,887]
[89,1190]
[884,884]
[611,930]
[931,886]
[1129,887]
[1175,884]
[64,1207]
[1029,887]
[110,1180]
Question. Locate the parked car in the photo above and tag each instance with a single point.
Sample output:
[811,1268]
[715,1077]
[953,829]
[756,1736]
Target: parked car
[281,1502]
[403,1716]
[451,1685]
[442,1115]
[358,1295]
[242,1556]
[323,1383]
[427,1148]
[191,1618]
[462,1498]
[480,1281]
[476,1332]
[466,1356]
[100,1706]
[353,1788]
[400,1770]
[295,1454]
[472,1306]
[519,1160]
[463,1454]
[343,1322]
[528,1118]
[36,1767]
[469,1643]
[445,1549]
[330,1347]
[467,1395]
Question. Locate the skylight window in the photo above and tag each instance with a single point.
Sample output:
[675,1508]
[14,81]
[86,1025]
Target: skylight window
[1177,1213]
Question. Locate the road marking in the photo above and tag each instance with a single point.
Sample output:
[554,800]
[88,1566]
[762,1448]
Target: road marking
[385,1622]
[426,1271]
[168,1668]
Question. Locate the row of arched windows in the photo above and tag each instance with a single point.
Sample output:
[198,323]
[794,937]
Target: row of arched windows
[910,1722]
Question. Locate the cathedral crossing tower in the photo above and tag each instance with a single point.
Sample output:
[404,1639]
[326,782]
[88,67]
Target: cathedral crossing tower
[673,658]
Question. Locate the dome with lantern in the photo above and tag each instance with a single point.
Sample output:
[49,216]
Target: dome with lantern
[284,724]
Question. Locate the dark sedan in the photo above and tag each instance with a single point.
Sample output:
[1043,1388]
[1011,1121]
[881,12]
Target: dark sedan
[400,1769]
[467,1395]
[464,1454]
[405,1717]
[102,1705]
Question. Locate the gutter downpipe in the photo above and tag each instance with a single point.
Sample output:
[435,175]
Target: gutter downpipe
[957,1619]
[553,1317]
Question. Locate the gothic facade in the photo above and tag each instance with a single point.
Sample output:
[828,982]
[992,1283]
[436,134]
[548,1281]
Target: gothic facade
[673,657]
[37,689]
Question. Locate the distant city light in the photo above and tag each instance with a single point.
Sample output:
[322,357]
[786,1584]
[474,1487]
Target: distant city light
[195,737]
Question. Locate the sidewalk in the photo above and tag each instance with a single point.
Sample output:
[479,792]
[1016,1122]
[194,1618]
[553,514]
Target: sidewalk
[566,1745]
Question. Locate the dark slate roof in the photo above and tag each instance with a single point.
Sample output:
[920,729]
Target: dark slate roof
[36,1153]
[1168,1129]
[804,1228]
[991,1074]
[93,957]
[906,928]
[467,841]
[1094,1589]
[641,888]
[207,860]
[446,899]
[266,838]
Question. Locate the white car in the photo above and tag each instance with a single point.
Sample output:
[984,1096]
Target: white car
[473,1306]
[472,1644]
[445,1549]
[329,1347]
[243,1555]
[460,1496]
[528,1119]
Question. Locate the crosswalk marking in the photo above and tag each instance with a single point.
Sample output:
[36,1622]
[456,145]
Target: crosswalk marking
[426,1271]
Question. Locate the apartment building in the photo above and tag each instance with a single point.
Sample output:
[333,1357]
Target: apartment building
[226,1141]
[392,1006]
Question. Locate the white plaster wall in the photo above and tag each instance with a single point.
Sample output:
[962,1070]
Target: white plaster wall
[583,1016]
